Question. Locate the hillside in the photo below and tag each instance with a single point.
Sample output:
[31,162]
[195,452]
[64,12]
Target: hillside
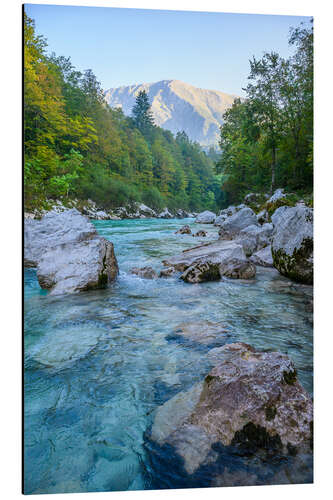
[178,106]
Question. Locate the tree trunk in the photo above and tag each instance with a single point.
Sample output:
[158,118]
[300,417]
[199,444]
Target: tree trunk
[273,168]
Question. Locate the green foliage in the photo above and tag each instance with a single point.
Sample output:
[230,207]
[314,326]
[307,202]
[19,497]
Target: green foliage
[153,198]
[267,139]
[142,115]
[78,147]
[290,201]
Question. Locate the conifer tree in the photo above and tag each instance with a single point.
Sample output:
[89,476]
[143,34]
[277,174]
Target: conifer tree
[142,115]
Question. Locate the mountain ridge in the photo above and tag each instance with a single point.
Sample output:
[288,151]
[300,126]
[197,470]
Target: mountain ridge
[178,106]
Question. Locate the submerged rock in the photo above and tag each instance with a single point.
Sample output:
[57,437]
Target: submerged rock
[166,273]
[205,217]
[202,332]
[144,272]
[184,230]
[292,243]
[248,398]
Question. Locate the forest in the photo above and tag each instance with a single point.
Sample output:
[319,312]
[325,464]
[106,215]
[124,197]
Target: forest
[267,138]
[76,146]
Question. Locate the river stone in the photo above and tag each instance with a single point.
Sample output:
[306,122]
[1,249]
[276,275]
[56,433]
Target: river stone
[246,398]
[79,266]
[165,214]
[253,198]
[166,273]
[220,219]
[216,252]
[203,332]
[262,216]
[200,233]
[263,257]
[231,227]
[254,238]
[52,230]
[184,230]
[237,269]
[202,270]
[144,272]
[292,243]
[278,195]
[144,210]
[205,217]
[61,347]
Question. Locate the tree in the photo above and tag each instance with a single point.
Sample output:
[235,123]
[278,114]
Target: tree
[265,101]
[142,115]
[76,146]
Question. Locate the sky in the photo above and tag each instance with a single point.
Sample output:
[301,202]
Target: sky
[131,46]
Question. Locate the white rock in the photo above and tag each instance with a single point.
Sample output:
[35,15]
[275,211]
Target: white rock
[206,217]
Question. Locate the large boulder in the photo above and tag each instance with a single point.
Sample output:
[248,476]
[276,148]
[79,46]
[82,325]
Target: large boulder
[212,261]
[278,215]
[52,230]
[68,253]
[220,219]
[254,238]
[206,217]
[216,252]
[263,257]
[232,226]
[77,267]
[292,243]
[249,398]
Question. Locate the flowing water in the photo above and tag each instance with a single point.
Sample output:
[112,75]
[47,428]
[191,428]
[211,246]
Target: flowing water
[98,364]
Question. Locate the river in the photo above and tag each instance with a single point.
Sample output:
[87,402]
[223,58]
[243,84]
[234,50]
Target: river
[97,365]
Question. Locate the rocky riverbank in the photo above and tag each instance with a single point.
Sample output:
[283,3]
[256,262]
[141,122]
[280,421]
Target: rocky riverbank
[91,210]
[246,239]
[278,235]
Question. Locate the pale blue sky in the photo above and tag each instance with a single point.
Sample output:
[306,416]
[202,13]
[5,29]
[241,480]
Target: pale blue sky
[127,46]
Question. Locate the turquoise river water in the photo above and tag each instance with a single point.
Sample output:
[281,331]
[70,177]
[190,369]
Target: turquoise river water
[98,364]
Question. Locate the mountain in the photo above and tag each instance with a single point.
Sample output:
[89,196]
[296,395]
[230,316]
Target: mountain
[178,106]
